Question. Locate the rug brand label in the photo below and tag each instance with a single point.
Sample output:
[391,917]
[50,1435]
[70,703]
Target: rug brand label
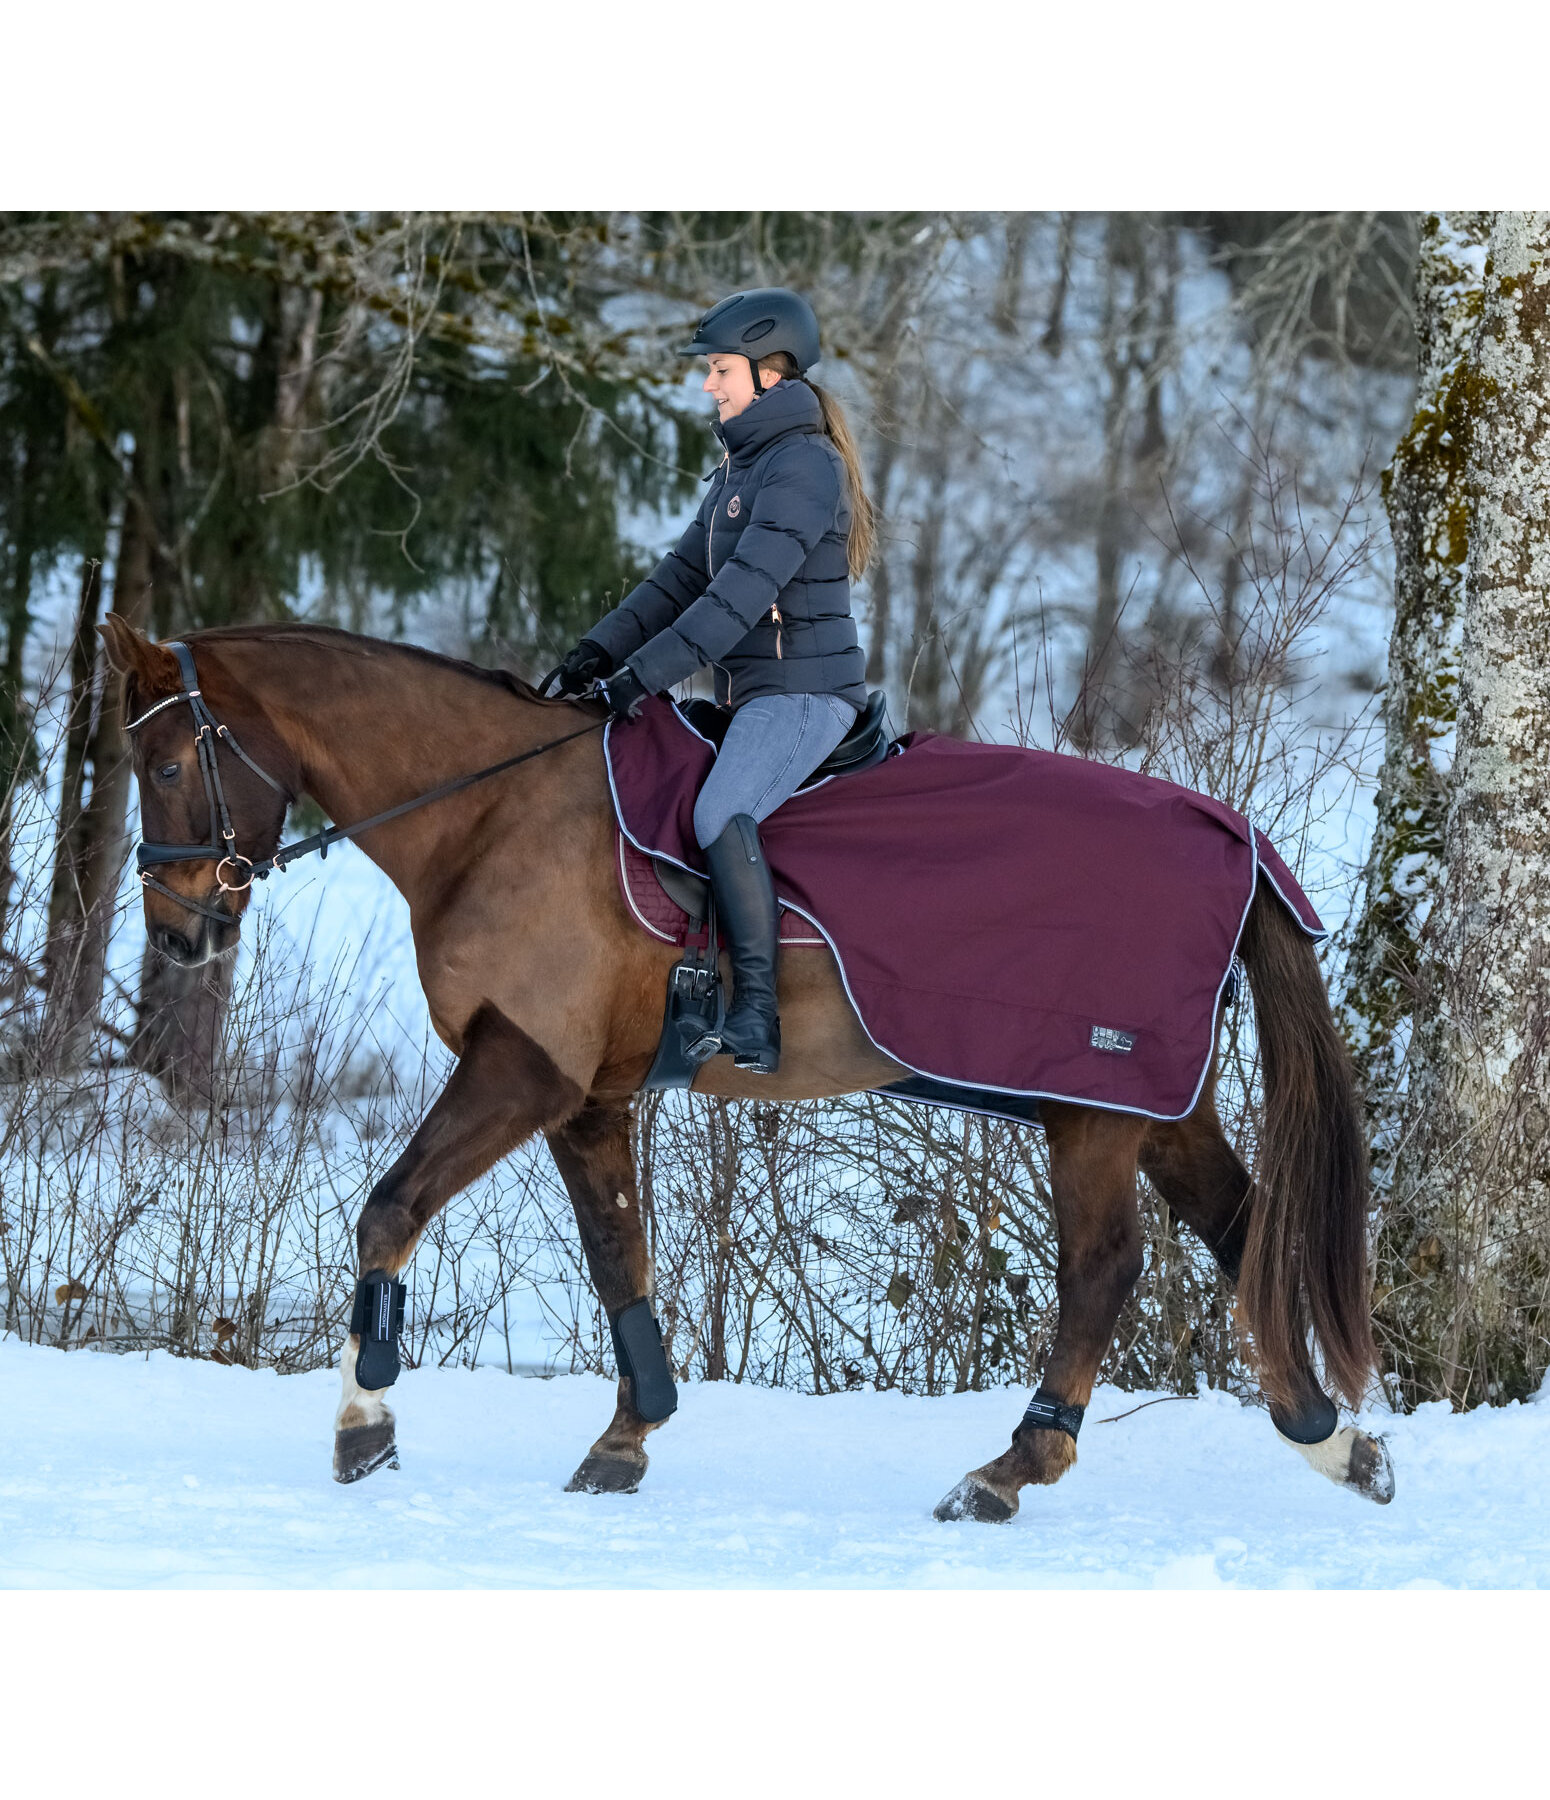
[1105,1037]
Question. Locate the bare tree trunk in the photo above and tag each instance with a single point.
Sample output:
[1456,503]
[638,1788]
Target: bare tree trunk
[90,852]
[1225,658]
[1157,315]
[1467,1317]
[925,678]
[887,431]
[28,535]
[1006,309]
[303,315]
[16,758]
[1055,329]
[1093,716]
[879,576]
[1132,684]
[1424,488]
[68,825]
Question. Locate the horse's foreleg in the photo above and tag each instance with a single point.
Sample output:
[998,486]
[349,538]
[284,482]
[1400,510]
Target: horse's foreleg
[504,1088]
[1199,1174]
[596,1161]
[1093,1185]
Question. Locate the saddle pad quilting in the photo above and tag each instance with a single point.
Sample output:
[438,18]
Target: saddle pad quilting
[657,913]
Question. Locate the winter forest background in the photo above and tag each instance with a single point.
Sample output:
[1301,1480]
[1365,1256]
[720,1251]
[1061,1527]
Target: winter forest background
[1254,501]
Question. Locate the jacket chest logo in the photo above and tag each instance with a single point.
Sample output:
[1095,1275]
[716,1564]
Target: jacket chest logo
[734,506]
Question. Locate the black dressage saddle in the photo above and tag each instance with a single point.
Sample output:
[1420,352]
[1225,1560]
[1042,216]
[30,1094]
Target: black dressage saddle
[866,744]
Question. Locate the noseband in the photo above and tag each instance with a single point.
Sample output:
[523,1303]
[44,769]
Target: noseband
[221,848]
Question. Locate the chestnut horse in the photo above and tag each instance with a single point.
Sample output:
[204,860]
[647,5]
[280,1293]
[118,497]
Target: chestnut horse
[551,1000]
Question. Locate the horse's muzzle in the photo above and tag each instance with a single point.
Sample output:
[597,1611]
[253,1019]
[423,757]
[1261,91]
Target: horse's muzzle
[195,942]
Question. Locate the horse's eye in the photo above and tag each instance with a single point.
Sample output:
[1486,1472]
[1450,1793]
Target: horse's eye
[168,772]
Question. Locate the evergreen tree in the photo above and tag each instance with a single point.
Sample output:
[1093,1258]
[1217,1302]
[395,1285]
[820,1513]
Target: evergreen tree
[303,415]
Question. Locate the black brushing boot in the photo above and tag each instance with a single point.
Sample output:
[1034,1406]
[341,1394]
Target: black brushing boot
[749,916]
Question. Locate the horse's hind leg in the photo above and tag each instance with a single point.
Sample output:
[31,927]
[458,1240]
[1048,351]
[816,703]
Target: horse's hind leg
[1195,1169]
[1093,1185]
[504,1088]
[596,1161]
[1199,1174]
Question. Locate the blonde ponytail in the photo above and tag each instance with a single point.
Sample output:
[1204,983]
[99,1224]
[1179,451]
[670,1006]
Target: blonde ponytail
[863,515]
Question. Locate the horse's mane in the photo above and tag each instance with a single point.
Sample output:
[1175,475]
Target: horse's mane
[352,643]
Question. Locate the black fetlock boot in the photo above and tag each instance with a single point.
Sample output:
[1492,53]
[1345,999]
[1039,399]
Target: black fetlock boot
[748,914]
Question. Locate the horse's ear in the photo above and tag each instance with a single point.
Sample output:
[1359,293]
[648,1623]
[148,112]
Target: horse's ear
[132,653]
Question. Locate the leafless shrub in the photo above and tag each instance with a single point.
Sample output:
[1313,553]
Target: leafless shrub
[224,1227]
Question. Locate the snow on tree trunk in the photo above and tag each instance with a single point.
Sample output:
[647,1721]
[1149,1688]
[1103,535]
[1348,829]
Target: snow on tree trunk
[1424,491]
[1466,1316]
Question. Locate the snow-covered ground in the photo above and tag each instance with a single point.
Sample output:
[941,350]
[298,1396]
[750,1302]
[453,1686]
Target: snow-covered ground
[162,1472]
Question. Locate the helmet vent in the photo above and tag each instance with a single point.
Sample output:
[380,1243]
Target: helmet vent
[756,324]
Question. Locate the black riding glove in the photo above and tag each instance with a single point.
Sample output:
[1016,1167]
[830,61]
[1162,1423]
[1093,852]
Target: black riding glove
[587,663]
[624,693]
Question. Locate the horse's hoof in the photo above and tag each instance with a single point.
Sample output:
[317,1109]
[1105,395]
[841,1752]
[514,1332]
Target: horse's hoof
[971,1499]
[607,1475]
[362,1449]
[1351,1459]
[1371,1471]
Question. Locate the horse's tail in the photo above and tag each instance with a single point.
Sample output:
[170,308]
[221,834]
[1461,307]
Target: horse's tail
[1305,1261]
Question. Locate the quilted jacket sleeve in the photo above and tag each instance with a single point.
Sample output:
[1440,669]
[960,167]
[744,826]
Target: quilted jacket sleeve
[795,504]
[676,582]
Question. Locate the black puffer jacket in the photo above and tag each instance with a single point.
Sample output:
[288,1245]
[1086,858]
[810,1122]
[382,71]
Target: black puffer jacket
[759,585]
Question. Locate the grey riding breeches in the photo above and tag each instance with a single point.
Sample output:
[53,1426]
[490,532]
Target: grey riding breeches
[772,745]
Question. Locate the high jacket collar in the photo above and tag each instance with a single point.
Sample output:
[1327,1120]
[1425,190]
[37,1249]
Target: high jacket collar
[788,406]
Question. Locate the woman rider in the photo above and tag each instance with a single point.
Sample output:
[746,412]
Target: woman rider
[758,588]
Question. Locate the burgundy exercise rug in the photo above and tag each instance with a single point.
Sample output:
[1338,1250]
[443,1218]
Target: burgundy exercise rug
[1005,919]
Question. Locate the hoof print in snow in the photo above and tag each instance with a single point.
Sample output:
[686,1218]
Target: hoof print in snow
[607,1475]
[971,1499]
[1371,1473]
[363,1449]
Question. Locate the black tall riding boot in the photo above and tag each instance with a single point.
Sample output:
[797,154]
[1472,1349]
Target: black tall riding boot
[746,908]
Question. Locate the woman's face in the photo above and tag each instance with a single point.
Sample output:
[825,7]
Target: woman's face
[730,383]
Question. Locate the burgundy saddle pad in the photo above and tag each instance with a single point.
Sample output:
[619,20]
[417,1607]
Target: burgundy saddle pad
[1004,919]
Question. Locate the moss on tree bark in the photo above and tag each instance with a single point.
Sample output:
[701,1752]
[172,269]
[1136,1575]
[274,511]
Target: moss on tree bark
[1465,1246]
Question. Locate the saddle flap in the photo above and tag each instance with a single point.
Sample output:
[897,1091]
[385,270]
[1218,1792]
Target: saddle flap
[683,887]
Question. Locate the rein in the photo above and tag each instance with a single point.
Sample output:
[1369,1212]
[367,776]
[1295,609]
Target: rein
[222,848]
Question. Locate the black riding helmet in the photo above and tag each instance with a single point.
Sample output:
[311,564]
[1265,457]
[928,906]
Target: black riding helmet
[758,323]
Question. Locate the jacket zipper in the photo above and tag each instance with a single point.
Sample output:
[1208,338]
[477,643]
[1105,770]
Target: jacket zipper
[710,565]
[710,542]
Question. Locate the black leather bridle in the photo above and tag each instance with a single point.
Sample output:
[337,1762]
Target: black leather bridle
[221,846]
